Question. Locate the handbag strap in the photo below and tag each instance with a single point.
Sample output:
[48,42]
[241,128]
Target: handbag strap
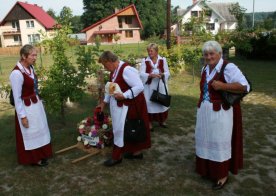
[222,69]
[164,85]
[135,103]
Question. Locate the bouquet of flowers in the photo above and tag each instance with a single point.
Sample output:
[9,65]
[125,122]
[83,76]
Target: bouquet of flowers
[96,131]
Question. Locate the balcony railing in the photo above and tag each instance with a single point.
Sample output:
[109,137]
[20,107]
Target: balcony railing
[12,32]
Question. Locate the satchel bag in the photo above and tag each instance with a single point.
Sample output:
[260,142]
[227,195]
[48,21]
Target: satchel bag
[11,98]
[229,97]
[135,129]
[163,99]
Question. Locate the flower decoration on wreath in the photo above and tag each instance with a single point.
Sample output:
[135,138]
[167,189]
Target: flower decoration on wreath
[96,131]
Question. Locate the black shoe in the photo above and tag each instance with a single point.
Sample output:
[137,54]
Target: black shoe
[163,125]
[152,130]
[218,185]
[41,163]
[132,156]
[111,162]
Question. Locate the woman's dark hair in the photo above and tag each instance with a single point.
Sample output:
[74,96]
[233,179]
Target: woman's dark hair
[108,56]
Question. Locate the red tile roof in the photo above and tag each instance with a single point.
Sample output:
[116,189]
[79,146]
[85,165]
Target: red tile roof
[37,12]
[113,15]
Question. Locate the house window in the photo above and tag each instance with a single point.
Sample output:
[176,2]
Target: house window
[128,19]
[120,22]
[129,33]
[33,38]
[15,24]
[30,24]
[17,38]
[210,26]
[194,13]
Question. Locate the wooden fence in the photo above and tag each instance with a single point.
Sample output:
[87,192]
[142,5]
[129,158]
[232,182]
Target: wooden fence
[10,51]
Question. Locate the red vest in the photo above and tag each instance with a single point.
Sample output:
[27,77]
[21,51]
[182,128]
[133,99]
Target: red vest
[124,87]
[215,96]
[149,68]
[28,94]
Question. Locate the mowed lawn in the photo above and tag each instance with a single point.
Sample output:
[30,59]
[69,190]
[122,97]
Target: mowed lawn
[168,166]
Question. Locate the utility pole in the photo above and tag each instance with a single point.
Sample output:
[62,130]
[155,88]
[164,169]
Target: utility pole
[253,17]
[168,24]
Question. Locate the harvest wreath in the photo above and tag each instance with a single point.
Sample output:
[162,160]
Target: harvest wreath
[96,131]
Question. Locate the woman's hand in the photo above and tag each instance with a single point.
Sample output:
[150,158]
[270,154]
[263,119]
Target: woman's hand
[101,105]
[155,75]
[25,122]
[218,85]
[119,96]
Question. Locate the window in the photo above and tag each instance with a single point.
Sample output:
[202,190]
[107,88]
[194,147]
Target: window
[210,26]
[17,38]
[194,13]
[30,24]
[15,24]
[129,33]
[128,19]
[34,38]
[120,23]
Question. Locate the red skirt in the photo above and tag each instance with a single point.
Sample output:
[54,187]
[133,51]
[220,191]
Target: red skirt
[133,147]
[217,170]
[158,117]
[27,157]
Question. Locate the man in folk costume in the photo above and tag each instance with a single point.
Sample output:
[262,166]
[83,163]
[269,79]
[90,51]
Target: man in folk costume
[218,133]
[32,131]
[122,105]
[152,69]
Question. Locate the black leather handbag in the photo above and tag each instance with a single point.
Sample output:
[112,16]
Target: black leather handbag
[229,97]
[135,129]
[163,99]
[11,98]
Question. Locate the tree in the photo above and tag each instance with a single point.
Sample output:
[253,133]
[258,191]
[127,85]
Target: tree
[64,80]
[76,23]
[65,16]
[239,13]
[52,13]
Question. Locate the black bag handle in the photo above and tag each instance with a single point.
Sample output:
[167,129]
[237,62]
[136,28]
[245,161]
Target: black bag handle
[164,85]
[135,103]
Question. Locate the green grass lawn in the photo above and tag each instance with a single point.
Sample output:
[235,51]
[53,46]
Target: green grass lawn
[168,166]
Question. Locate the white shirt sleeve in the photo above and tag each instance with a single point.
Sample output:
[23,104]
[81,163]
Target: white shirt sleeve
[144,76]
[106,98]
[131,77]
[17,80]
[166,69]
[233,74]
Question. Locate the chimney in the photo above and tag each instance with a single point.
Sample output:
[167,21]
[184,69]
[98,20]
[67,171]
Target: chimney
[35,4]
[116,10]
[194,2]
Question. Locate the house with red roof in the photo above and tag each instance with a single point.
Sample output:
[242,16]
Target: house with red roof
[121,27]
[24,24]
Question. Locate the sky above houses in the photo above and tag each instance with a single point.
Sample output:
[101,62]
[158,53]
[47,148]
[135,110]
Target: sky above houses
[77,5]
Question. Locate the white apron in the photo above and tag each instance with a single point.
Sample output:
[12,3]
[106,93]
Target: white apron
[38,134]
[213,132]
[118,121]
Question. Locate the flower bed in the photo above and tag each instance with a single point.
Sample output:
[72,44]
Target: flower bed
[96,131]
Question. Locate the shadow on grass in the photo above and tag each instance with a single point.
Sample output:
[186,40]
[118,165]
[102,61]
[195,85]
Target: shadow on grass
[167,167]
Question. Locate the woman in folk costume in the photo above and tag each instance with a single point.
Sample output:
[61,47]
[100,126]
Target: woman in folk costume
[32,132]
[152,69]
[218,132]
[122,105]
